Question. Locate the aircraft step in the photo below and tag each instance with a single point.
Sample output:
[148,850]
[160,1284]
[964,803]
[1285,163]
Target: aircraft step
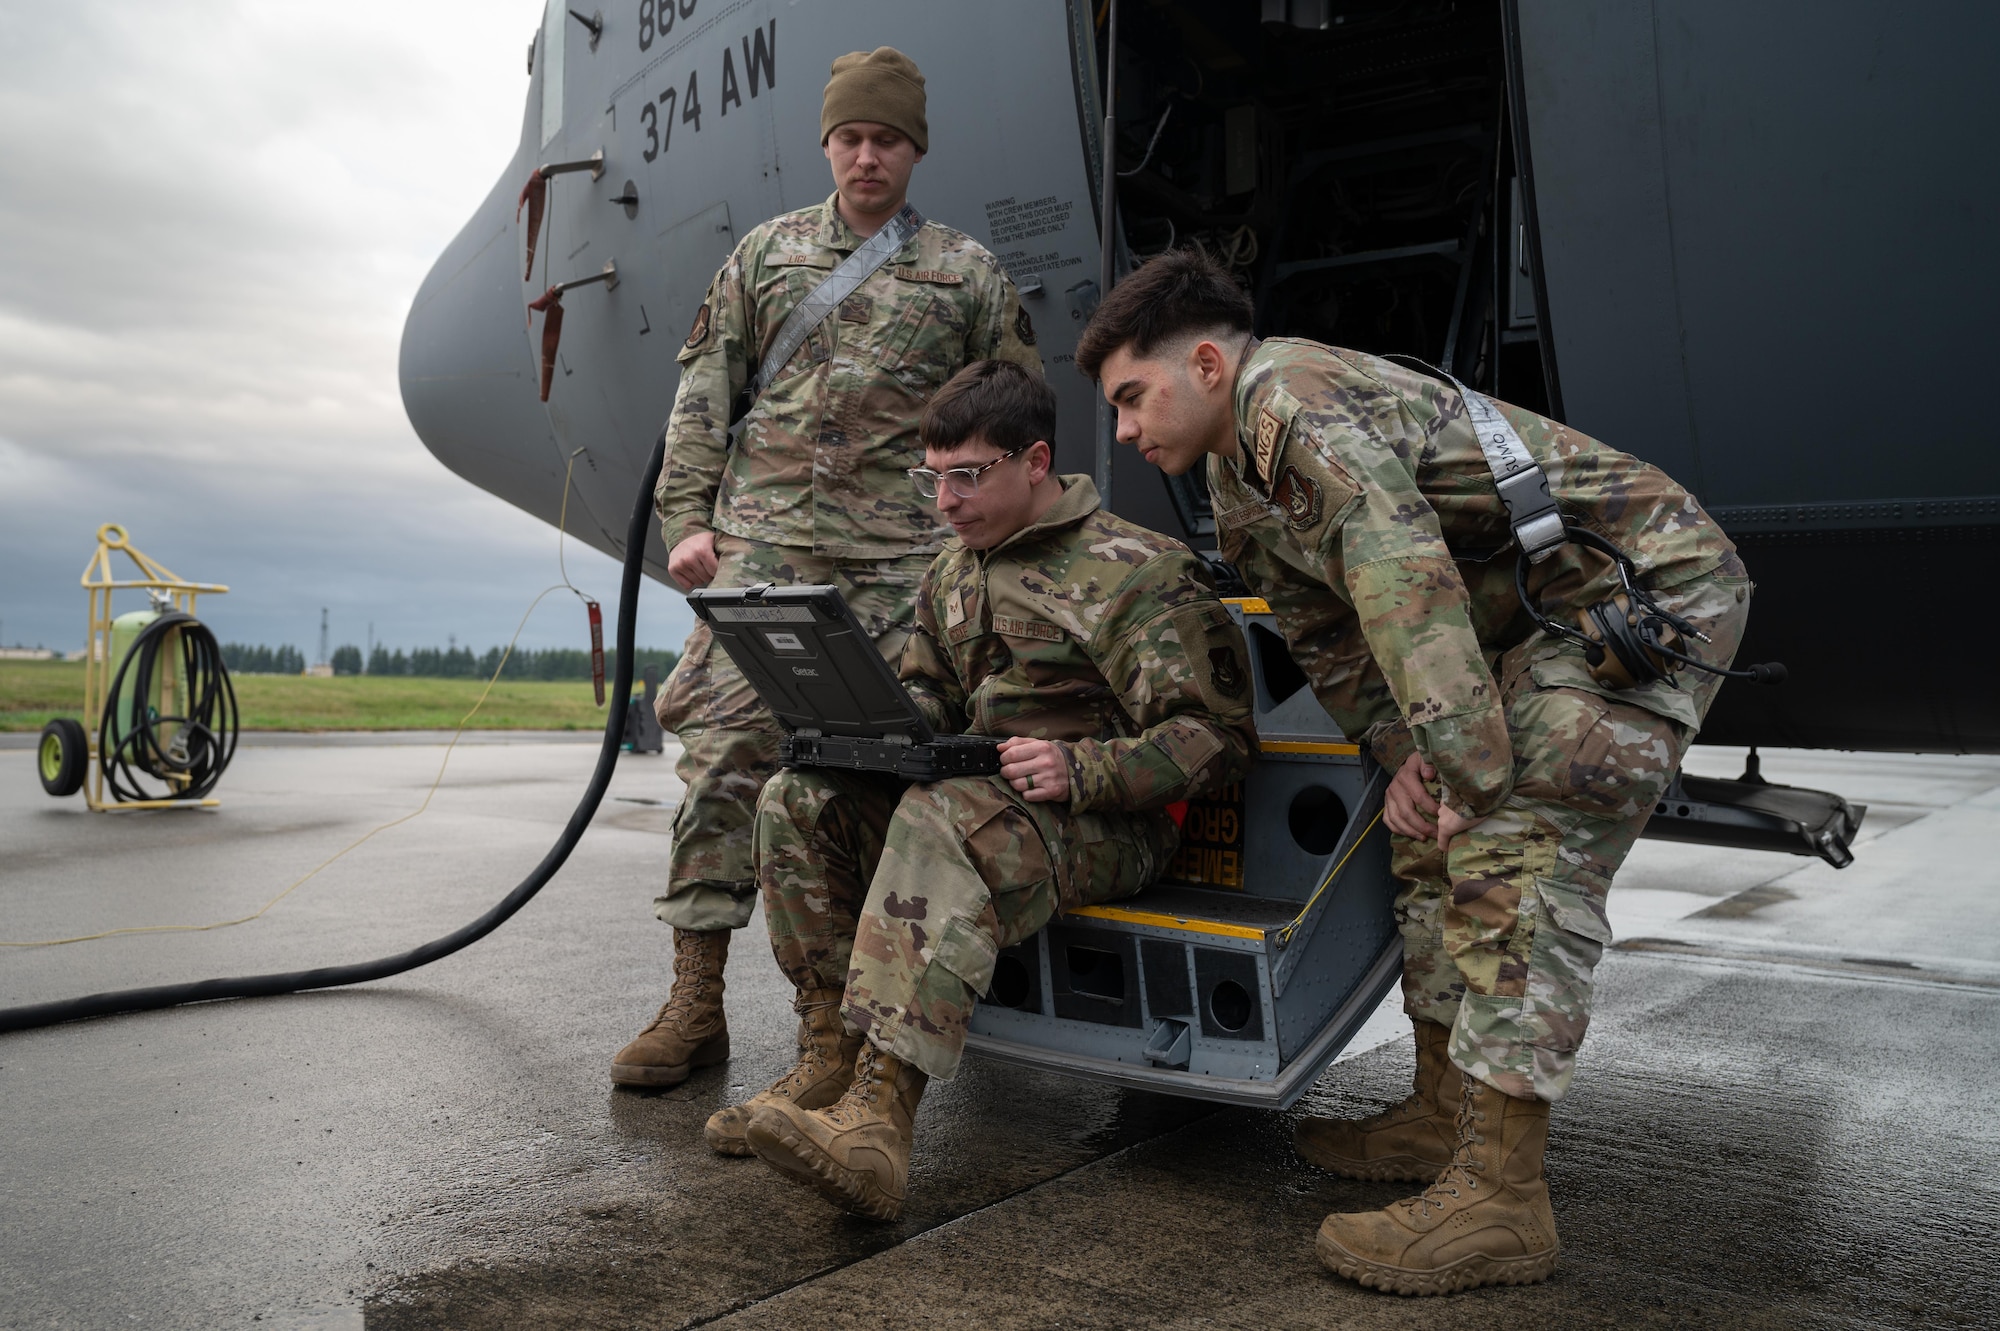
[1171,909]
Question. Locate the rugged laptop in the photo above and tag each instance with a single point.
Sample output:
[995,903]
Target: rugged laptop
[840,704]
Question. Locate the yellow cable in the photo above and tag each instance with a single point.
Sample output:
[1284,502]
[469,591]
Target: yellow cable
[396,822]
[1285,934]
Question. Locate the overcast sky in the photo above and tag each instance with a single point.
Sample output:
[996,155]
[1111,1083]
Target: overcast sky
[213,217]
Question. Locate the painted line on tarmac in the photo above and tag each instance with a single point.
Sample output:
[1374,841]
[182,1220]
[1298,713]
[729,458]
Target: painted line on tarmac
[1880,970]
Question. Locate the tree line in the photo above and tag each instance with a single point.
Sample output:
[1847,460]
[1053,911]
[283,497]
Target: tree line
[243,659]
[443,663]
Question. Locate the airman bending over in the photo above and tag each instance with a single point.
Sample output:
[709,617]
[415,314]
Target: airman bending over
[810,489]
[1354,496]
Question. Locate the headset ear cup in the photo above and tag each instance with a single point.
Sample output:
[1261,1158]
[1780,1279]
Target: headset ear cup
[1607,669]
[1627,663]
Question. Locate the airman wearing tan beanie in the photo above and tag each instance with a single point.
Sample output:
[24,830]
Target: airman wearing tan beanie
[884,86]
[732,516]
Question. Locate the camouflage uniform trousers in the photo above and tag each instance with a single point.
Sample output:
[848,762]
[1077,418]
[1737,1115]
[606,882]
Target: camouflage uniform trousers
[729,739]
[904,896]
[1502,935]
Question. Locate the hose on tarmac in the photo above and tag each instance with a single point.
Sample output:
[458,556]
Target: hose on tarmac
[32,1015]
[201,741]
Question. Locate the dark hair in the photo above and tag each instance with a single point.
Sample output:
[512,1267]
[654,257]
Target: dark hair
[1176,293]
[994,400]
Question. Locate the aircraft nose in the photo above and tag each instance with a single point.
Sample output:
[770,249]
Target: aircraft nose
[469,383]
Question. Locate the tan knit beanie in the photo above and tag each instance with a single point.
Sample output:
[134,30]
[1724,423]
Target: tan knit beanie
[882,85]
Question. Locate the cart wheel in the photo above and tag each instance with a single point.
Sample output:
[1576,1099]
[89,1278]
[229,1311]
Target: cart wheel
[64,752]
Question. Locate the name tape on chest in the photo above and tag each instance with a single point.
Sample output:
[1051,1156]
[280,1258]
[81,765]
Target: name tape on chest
[936,275]
[1027,628]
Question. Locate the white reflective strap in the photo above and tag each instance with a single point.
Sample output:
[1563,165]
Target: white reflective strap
[842,282]
[1523,485]
[1498,440]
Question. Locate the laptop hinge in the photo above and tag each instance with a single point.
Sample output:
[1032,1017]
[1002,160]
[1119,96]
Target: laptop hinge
[806,732]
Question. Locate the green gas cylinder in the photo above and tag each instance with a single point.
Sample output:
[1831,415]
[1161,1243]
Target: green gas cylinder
[125,710]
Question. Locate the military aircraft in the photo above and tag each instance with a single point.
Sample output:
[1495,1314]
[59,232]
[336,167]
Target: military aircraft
[1744,240]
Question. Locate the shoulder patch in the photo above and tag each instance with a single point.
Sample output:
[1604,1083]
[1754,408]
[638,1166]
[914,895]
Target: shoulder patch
[699,333]
[1299,496]
[1225,671]
[936,275]
[1024,327]
[1270,433]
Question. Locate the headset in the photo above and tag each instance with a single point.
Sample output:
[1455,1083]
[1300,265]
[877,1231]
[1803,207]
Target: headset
[1630,639]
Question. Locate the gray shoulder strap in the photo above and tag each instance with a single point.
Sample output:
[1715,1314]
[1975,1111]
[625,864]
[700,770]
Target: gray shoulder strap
[1523,485]
[841,283]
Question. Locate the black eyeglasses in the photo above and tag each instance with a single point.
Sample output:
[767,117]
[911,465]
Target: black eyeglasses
[964,481]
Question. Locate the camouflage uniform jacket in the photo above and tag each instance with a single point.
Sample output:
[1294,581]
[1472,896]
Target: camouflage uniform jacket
[1095,632]
[821,455]
[1357,475]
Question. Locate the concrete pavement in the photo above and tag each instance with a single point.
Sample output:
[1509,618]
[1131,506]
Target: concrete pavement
[1782,1116]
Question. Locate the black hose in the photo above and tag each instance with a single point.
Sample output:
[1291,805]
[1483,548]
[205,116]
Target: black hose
[204,739]
[287,982]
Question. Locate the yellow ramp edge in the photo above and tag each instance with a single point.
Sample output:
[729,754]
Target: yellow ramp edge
[1249,605]
[1308,746]
[1182,923]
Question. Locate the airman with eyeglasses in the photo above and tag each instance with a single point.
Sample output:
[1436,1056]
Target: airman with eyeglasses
[963,481]
[1099,654]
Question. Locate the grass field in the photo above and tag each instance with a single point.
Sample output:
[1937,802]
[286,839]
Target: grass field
[33,692]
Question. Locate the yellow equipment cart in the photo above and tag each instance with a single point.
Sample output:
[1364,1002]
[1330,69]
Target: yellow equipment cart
[159,711]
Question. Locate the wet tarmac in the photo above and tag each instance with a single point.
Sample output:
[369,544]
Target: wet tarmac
[1783,1116]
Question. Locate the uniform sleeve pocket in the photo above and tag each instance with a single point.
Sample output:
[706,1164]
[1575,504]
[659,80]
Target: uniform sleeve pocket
[964,949]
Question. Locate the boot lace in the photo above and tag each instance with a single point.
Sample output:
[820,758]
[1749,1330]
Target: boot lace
[858,1103]
[819,1052]
[1462,1174]
[691,974]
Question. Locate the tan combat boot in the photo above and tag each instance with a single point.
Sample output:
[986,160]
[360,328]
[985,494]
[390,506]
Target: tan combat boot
[857,1152]
[823,1073]
[1486,1221]
[1410,1141]
[689,1031]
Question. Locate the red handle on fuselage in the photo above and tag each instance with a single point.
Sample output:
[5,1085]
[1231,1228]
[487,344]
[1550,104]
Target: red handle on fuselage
[596,650]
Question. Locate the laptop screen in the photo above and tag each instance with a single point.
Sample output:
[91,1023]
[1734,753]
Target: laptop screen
[809,660]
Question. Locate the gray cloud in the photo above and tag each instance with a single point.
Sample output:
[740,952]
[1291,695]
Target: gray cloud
[212,220]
